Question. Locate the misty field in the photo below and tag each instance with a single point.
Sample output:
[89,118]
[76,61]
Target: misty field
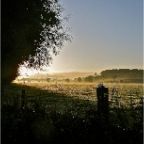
[83,90]
[66,112]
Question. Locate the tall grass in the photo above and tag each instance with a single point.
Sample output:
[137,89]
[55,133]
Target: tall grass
[57,117]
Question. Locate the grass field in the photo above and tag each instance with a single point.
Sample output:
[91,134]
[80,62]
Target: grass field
[67,113]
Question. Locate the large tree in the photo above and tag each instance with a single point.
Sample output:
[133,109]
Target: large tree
[29,27]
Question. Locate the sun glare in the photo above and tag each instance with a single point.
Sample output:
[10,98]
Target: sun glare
[24,71]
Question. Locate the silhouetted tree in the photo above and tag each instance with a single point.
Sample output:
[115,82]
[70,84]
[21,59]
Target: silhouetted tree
[30,27]
[89,78]
[67,80]
[95,74]
[79,79]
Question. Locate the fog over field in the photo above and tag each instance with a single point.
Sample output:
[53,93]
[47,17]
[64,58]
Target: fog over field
[64,75]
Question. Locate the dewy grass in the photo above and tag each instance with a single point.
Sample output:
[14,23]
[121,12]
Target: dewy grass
[57,117]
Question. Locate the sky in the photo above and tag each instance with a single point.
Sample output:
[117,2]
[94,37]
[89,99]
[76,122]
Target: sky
[107,34]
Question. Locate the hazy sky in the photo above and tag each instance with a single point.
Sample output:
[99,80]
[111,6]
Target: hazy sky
[106,34]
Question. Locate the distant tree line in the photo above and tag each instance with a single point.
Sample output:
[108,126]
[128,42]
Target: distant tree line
[114,75]
[124,75]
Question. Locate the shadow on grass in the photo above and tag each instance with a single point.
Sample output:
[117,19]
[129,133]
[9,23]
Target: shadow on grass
[51,118]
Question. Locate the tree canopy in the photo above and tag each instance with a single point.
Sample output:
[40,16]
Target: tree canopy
[31,29]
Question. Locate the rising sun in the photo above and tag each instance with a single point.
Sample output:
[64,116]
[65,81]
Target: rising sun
[24,71]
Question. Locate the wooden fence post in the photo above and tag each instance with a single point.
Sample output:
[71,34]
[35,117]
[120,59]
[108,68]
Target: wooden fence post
[23,99]
[102,95]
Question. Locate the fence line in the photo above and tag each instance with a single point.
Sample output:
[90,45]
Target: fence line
[24,99]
